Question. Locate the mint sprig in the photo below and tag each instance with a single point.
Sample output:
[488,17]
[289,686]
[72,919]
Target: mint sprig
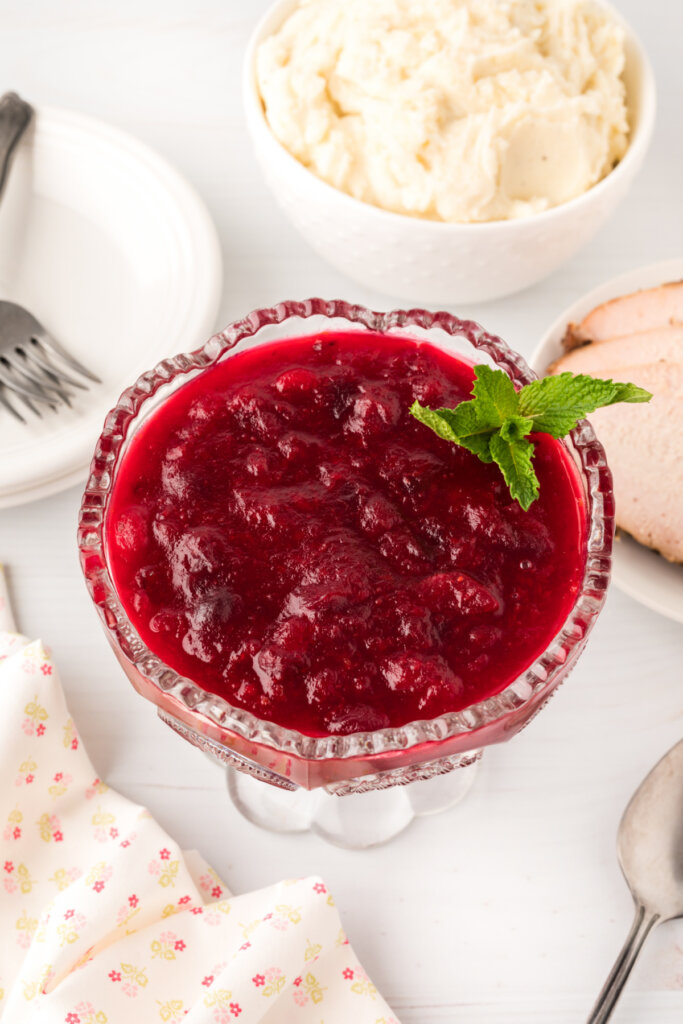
[496,422]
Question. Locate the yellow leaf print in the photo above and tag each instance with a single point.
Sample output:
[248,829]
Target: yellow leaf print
[61,879]
[312,951]
[27,766]
[26,923]
[364,987]
[31,990]
[102,818]
[162,950]
[221,997]
[171,1011]
[249,929]
[135,974]
[168,875]
[35,710]
[15,817]
[69,733]
[291,913]
[169,910]
[313,988]
[26,882]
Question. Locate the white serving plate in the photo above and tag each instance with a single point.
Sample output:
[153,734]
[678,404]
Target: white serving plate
[641,573]
[117,256]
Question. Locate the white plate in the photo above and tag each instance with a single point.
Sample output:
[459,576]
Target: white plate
[117,256]
[641,573]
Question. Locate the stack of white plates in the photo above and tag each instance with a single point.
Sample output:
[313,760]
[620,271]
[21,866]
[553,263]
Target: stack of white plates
[117,257]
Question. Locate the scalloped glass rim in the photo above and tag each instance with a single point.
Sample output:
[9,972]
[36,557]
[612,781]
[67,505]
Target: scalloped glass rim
[548,669]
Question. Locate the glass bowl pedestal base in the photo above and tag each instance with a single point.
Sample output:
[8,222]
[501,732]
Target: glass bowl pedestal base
[353,820]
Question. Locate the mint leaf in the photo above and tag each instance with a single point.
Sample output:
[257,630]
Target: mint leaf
[514,459]
[495,423]
[494,395]
[557,403]
[461,425]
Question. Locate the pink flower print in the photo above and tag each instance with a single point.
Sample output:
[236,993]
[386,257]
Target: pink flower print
[86,1008]
[28,727]
[168,937]
[46,669]
[68,914]
[184,899]
[319,887]
[9,884]
[212,917]
[347,973]
[300,997]
[164,854]
[29,778]
[259,980]
[115,975]
[72,1018]
[196,910]
[113,832]
[129,989]
[245,945]
[216,891]
[235,1009]
[154,867]
[272,973]
[179,945]
[267,917]
[133,901]
[98,885]
[57,836]
[208,980]
[9,866]
[24,940]
[58,776]
[40,729]
[124,842]
[16,833]
[297,981]
[74,743]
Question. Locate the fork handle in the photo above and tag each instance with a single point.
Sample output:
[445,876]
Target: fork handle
[15,117]
[643,924]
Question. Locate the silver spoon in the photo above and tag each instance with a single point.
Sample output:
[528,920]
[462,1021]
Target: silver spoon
[650,850]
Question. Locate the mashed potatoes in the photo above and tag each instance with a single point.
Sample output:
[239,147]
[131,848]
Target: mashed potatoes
[454,110]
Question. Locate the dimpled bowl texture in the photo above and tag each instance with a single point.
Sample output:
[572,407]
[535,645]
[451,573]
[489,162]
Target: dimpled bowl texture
[432,262]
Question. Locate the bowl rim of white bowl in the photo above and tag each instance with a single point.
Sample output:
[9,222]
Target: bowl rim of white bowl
[639,139]
[634,569]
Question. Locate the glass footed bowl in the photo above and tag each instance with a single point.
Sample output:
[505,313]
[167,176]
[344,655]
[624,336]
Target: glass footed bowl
[309,771]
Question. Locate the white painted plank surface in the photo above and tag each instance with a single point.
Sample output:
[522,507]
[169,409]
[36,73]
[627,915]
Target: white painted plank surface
[511,908]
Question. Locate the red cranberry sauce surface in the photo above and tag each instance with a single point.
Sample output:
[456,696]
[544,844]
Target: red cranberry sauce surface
[286,535]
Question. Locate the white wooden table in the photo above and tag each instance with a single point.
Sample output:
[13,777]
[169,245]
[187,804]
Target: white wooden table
[511,907]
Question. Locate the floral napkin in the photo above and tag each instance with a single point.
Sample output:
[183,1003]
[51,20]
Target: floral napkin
[103,919]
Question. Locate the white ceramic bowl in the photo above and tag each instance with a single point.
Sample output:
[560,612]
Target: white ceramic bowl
[431,262]
[641,573]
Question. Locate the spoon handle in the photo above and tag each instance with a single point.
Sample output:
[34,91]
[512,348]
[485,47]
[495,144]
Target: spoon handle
[643,924]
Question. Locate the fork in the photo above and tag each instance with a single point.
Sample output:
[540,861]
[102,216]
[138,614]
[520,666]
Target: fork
[34,367]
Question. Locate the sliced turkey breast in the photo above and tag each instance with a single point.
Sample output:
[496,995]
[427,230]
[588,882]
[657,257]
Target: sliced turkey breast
[642,311]
[662,344]
[644,442]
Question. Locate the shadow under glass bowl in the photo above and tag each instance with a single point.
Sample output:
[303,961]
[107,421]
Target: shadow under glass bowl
[359,762]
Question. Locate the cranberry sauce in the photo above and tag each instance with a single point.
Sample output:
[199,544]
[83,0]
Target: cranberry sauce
[285,534]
